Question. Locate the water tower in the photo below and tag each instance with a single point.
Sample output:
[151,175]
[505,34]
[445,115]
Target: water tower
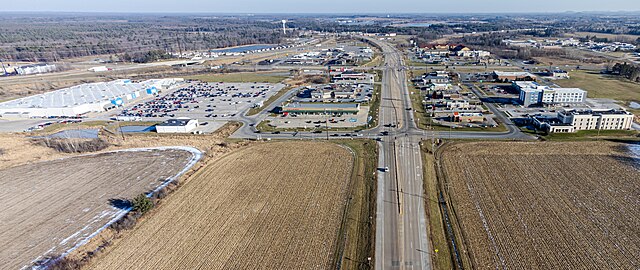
[284,26]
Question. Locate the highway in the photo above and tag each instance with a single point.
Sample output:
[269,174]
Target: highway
[401,232]
[401,223]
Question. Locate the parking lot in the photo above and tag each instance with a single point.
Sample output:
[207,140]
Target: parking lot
[207,102]
[313,121]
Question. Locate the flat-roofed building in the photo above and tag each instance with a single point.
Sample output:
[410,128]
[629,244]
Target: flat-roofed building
[321,108]
[81,99]
[178,125]
[467,117]
[584,119]
[35,69]
[532,93]
[587,119]
[513,76]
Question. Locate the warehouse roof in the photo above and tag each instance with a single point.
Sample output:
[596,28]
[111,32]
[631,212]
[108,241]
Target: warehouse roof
[90,93]
[77,95]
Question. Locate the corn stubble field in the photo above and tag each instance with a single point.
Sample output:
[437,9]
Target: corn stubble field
[268,206]
[50,206]
[545,205]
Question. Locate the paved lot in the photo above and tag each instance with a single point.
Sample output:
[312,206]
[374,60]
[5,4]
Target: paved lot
[310,121]
[10,125]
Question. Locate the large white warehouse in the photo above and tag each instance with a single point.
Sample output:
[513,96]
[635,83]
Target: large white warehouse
[82,99]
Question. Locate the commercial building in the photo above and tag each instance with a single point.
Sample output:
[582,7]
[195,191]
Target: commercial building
[467,117]
[351,76]
[532,93]
[178,125]
[321,108]
[81,99]
[586,119]
[560,74]
[513,76]
[35,69]
[597,119]
[99,69]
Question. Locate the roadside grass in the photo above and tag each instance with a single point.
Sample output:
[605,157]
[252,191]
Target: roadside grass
[357,232]
[238,77]
[374,105]
[440,247]
[603,86]
[419,112]
[376,61]
[268,102]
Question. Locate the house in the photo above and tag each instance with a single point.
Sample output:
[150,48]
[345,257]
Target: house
[178,125]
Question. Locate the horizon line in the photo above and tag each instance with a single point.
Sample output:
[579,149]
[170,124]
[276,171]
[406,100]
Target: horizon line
[324,13]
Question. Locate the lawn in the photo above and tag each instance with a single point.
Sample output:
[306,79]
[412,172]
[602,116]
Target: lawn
[263,77]
[602,86]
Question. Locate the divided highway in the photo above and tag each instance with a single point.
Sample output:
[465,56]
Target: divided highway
[401,223]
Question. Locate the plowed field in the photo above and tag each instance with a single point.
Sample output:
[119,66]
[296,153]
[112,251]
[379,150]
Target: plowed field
[268,206]
[50,207]
[545,205]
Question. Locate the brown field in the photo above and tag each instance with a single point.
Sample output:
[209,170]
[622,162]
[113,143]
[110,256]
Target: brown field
[268,206]
[49,207]
[572,205]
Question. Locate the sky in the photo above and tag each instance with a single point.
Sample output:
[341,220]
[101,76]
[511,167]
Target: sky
[320,6]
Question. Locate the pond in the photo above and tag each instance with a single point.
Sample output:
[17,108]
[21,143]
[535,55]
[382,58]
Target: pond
[136,129]
[76,134]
